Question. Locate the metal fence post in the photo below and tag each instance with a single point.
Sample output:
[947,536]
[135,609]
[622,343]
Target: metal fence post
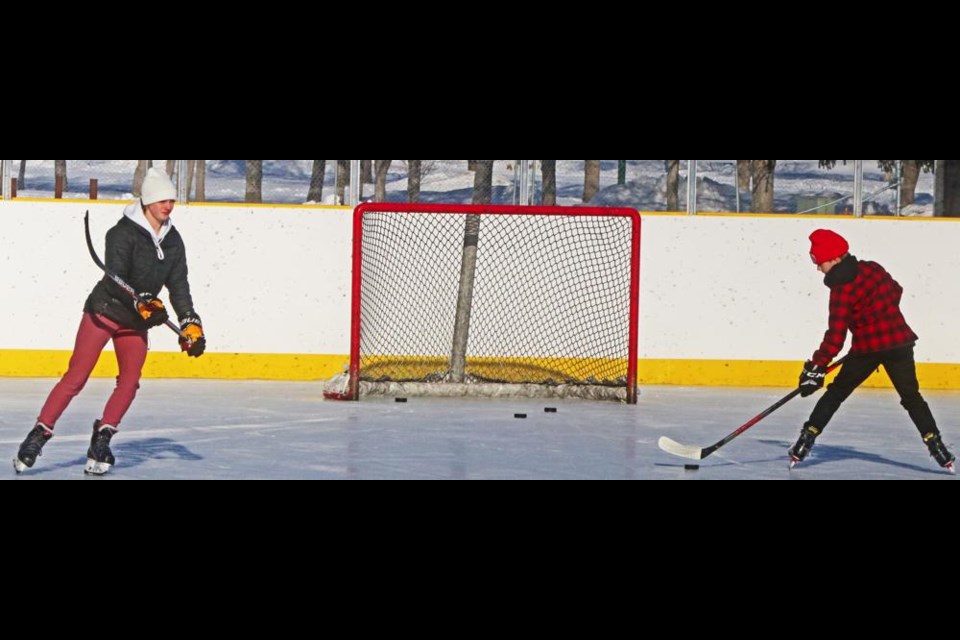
[524,182]
[183,187]
[691,187]
[736,181]
[355,179]
[899,179]
[858,188]
[517,198]
[5,172]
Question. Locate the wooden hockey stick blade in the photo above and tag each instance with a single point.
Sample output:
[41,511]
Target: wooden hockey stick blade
[682,450]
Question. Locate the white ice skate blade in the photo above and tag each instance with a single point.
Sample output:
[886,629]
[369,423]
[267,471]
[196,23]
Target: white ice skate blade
[95,468]
[19,466]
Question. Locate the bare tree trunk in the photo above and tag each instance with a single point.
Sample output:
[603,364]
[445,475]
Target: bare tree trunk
[482,180]
[380,192]
[364,170]
[171,165]
[22,176]
[201,194]
[951,188]
[591,179]
[413,180]
[548,169]
[908,184]
[138,175]
[762,201]
[254,181]
[60,171]
[673,185]
[315,194]
[743,175]
[343,179]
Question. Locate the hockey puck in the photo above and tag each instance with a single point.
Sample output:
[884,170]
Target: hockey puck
[399,399]
[519,415]
[549,409]
[691,467]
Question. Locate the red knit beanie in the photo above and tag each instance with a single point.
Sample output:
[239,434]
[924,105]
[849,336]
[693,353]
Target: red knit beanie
[827,246]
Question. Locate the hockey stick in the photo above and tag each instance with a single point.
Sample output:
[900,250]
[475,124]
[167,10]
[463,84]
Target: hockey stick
[123,285]
[697,453]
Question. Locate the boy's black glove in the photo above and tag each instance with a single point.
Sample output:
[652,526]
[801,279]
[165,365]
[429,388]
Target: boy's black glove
[812,378]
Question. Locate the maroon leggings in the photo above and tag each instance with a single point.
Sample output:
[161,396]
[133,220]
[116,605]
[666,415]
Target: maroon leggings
[131,349]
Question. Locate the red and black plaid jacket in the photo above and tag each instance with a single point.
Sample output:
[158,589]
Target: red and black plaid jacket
[865,300]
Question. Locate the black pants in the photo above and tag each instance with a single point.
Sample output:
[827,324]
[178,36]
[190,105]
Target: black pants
[902,371]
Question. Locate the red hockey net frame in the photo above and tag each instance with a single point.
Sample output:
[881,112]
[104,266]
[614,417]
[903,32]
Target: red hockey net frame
[352,389]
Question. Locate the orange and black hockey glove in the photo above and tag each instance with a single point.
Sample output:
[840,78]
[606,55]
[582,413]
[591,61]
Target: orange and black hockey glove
[151,310]
[194,343]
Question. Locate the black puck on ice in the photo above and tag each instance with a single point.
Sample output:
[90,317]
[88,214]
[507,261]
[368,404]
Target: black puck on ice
[691,467]
[399,399]
[549,409]
[519,415]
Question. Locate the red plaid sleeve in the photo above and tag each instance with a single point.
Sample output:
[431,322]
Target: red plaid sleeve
[840,314]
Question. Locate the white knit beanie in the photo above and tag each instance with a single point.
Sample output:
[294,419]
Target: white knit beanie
[156,187]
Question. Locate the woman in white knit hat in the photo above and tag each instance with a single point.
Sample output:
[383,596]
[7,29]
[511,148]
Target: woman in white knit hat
[145,251]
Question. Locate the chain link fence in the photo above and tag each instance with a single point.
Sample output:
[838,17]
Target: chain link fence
[795,186]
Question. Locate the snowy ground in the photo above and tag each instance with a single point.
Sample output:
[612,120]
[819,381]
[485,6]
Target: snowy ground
[449,181]
[276,430]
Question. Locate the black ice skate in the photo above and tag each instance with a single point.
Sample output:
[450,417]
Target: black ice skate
[939,452]
[99,456]
[799,451]
[31,447]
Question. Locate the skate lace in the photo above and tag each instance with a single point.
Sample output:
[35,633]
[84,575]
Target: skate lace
[938,450]
[35,441]
[942,455]
[101,443]
[804,443]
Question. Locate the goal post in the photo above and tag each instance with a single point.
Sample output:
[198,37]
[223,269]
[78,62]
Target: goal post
[493,300]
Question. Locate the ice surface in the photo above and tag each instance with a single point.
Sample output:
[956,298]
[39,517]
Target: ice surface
[203,429]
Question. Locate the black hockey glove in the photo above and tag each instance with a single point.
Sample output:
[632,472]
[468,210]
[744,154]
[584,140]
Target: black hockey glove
[812,378]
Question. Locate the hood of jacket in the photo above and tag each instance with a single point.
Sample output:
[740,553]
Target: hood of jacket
[134,211]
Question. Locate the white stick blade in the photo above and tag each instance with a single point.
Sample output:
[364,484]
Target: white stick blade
[677,449]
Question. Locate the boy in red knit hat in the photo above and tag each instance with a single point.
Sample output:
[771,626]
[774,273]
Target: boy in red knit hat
[865,300]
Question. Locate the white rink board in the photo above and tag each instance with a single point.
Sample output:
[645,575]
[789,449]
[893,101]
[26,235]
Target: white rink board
[277,279]
[744,288]
[264,280]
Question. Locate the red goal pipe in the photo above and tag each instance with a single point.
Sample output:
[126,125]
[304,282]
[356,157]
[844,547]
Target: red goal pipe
[460,209]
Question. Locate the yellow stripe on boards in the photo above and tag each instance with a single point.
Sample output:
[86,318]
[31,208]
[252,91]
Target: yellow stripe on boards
[772,373]
[303,367]
[222,366]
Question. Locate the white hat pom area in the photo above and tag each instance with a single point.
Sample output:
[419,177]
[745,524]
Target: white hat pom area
[157,187]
